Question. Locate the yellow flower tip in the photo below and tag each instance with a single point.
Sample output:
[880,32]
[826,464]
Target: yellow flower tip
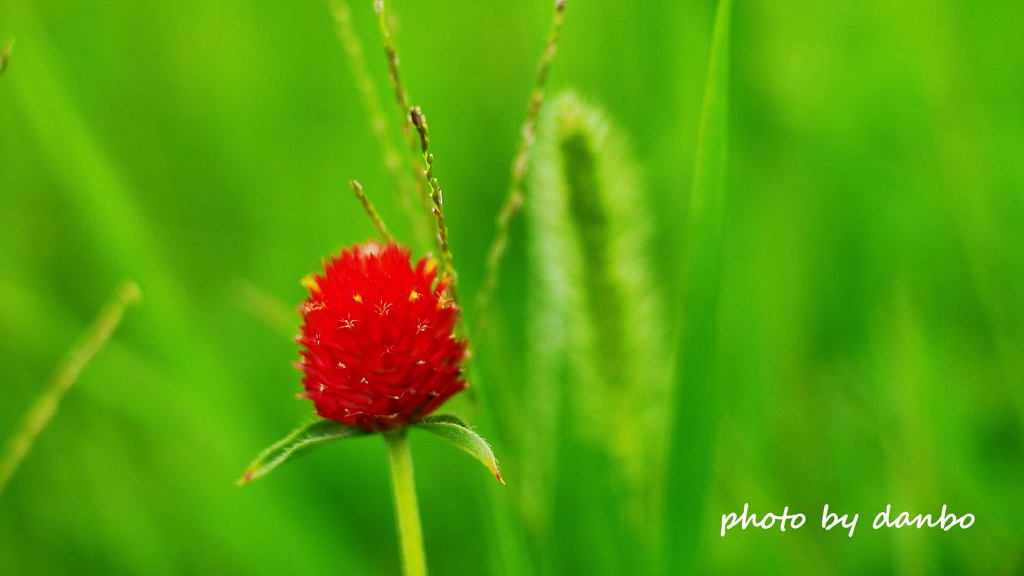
[414,296]
[432,265]
[309,282]
[357,298]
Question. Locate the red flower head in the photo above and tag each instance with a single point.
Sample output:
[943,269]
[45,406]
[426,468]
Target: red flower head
[379,350]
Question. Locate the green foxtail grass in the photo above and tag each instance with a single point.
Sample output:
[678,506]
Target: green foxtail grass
[595,373]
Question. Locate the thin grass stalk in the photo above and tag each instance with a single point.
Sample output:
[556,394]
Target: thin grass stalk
[378,223]
[420,122]
[514,201]
[39,415]
[410,189]
[392,56]
[402,98]
[511,546]
[694,404]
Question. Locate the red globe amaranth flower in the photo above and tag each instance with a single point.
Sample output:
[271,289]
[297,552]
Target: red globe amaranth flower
[379,348]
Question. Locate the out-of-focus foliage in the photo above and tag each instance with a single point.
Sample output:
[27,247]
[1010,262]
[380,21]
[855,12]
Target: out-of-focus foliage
[870,319]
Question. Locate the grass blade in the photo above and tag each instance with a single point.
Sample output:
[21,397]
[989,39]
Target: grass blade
[694,411]
[302,439]
[46,404]
[458,433]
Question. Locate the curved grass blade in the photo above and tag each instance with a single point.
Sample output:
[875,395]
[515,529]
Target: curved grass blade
[45,406]
[301,440]
[694,411]
[457,432]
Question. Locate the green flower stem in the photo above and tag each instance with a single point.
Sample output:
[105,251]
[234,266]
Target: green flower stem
[407,511]
[46,404]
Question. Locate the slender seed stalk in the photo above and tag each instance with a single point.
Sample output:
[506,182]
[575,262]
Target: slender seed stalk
[511,543]
[420,122]
[410,188]
[407,511]
[45,406]
[392,55]
[378,223]
[514,201]
[402,98]
[413,116]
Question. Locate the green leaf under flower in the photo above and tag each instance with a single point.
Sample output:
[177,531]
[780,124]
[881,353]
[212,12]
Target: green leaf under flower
[310,435]
[454,430]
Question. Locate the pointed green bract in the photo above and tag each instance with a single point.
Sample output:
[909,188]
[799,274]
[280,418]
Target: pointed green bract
[694,412]
[457,432]
[310,435]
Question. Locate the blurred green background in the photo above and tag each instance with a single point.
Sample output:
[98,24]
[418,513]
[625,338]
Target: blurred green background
[871,317]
